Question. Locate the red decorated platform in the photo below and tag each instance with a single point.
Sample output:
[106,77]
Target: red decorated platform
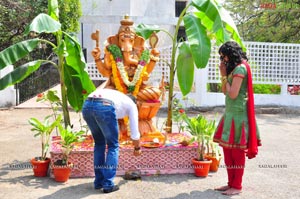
[172,158]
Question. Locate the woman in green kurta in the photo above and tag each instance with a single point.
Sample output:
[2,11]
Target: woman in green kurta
[236,126]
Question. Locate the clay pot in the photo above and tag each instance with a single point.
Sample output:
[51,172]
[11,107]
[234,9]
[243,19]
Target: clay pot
[214,166]
[40,167]
[62,172]
[201,168]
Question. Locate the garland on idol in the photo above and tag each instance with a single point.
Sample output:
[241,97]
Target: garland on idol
[119,73]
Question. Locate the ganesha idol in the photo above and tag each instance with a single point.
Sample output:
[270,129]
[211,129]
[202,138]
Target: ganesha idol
[127,64]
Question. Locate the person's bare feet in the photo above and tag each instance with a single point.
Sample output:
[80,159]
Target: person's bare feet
[232,191]
[222,188]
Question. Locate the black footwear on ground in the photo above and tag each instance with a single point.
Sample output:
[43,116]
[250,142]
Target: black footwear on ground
[132,175]
[115,188]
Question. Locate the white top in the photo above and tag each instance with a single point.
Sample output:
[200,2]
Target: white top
[124,107]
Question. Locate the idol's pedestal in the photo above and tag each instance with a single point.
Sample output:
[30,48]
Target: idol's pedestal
[173,159]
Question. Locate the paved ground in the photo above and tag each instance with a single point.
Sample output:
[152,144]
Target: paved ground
[275,173]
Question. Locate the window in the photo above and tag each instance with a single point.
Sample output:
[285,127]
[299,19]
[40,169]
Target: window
[181,34]
[179,6]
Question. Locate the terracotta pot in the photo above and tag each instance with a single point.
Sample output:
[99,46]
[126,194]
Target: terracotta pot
[214,166]
[62,172]
[201,168]
[40,167]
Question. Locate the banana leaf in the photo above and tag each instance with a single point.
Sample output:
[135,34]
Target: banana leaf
[53,10]
[17,51]
[198,39]
[185,68]
[19,74]
[43,23]
[210,10]
[231,27]
[145,31]
[76,78]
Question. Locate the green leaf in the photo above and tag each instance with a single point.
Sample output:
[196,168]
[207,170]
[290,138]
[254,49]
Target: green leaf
[185,68]
[145,31]
[17,51]
[231,27]
[76,78]
[199,41]
[205,21]
[74,56]
[53,10]
[19,74]
[216,19]
[52,96]
[43,23]
[74,87]
[210,10]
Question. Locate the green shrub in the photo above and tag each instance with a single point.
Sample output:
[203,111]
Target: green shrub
[266,89]
[258,88]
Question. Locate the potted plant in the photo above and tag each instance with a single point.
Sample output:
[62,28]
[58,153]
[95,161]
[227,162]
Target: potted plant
[198,127]
[62,167]
[213,154]
[43,130]
[212,148]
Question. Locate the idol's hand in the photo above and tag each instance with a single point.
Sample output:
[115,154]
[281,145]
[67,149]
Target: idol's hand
[96,53]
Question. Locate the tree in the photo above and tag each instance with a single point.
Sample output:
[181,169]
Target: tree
[267,21]
[15,15]
[75,83]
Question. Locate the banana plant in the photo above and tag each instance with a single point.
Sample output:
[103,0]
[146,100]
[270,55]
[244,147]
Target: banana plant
[75,83]
[204,21]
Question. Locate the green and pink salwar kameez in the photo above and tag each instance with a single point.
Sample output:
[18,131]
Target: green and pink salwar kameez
[237,131]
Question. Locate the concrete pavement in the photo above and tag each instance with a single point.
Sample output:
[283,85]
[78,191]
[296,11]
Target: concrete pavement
[275,173]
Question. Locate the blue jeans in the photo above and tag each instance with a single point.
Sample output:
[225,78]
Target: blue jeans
[100,116]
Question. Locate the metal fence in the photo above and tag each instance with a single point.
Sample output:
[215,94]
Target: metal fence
[44,78]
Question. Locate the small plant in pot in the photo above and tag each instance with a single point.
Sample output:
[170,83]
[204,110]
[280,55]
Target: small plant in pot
[214,154]
[62,167]
[212,148]
[43,130]
[198,127]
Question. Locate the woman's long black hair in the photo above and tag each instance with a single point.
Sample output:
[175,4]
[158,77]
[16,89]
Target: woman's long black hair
[234,53]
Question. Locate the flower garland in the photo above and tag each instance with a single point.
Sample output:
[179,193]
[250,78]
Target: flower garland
[117,76]
[119,72]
